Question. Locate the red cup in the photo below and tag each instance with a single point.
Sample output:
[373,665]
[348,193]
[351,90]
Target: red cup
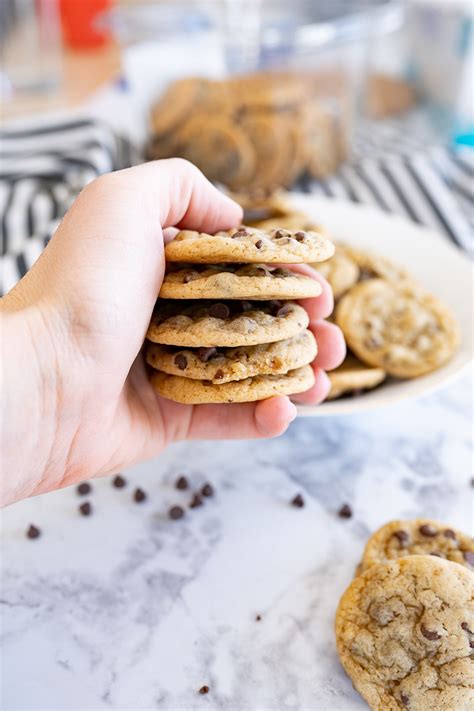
[78,18]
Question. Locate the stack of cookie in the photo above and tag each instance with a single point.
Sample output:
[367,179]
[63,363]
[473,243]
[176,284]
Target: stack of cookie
[226,327]
[405,625]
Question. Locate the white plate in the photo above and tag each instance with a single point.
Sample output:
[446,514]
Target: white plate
[437,264]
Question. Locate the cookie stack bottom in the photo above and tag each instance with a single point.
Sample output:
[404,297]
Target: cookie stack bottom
[228,329]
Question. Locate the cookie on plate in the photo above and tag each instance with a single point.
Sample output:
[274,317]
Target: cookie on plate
[291,221]
[260,387]
[175,104]
[237,281]
[373,266]
[221,365]
[405,635]
[230,323]
[340,271]
[352,376]
[418,536]
[248,245]
[397,327]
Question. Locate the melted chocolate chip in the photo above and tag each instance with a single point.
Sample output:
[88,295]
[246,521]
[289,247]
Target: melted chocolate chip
[403,538]
[84,489]
[240,233]
[300,236]
[219,374]
[119,482]
[465,627]
[449,533]
[432,635]
[181,361]
[85,509]
[33,532]
[207,490]
[297,501]
[204,689]
[219,311]
[176,512]
[427,530]
[259,243]
[279,234]
[468,557]
[196,501]
[345,511]
[205,353]
[182,483]
[139,496]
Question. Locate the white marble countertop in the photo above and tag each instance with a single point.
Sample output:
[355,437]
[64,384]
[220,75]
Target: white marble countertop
[127,609]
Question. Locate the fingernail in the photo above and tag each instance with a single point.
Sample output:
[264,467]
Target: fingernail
[292,411]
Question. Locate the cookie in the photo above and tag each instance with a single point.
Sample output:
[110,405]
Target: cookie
[260,387]
[291,221]
[237,281]
[340,271]
[397,327]
[248,245]
[261,204]
[175,104]
[230,323]
[405,635]
[388,96]
[269,136]
[419,536]
[218,147]
[268,91]
[322,141]
[373,266]
[226,364]
[352,376]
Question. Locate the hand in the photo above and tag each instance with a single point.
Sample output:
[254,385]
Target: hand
[77,399]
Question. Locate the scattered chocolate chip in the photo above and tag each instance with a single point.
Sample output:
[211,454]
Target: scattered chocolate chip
[258,618]
[283,310]
[465,627]
[182,483]
[196,501]
[300,236]
[176,512]
[427,530]
[240,233]
[404,699]
[468,557]
[219,311]
[119,482]
[33,532]
[85,509]
[188,276]
[345,511]
[219,374]
[259,243]
[279,234]
[84,489]
[204,689]
[139,496]
[181,361]
[205,353]
[207,490]
[432,635]
[297,501]
[403,538]
[449,533]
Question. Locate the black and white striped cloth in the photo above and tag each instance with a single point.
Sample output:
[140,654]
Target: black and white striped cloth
[42,170]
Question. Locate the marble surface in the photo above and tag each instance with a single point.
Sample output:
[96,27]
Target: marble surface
[130,610]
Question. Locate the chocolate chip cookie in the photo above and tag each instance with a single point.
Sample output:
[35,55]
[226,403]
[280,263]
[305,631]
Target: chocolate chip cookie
[340,271]
[353,376]
[405,635]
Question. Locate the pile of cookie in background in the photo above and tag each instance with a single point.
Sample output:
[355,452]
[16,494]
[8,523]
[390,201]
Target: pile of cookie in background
[405,626]
[392,326]
[226,327]
[260,130]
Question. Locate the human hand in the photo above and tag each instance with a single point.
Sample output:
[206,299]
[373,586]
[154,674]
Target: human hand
[77,399]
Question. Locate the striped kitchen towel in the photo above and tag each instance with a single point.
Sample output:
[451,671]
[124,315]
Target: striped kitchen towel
[42,169]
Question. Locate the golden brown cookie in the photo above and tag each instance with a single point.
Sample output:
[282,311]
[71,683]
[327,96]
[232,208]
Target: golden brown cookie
[340,271]
[221,365]
[397,327]
[418,537]
[249,245]
[260,387]
[176,104]
[237,281]
[352,376]
[405,635]
[269,136]
[373,266]
[230,323]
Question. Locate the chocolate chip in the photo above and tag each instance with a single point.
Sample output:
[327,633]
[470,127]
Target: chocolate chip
[345,511]
[85,509]
[465,627]
[258,618]
[259,243]
[300,236]
[257,271]
[176,512]
[207,490]
[182,483]
[84,489]
[449,533]
[188,276]
[33,532]
[279,234]
[403,538]
[219,311]
[404,699]
[283,310]
[432,635]
[119,482]
[139,496]
[219,374]
[204,689]
[205,353]
[297,501]
[427,530]
[181,361]
[240,233]
[468,557]
[196,501]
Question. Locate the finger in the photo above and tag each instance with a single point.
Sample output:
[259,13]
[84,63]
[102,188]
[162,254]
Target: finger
[318,392]
[322,305]
[331,344]
[267,418]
